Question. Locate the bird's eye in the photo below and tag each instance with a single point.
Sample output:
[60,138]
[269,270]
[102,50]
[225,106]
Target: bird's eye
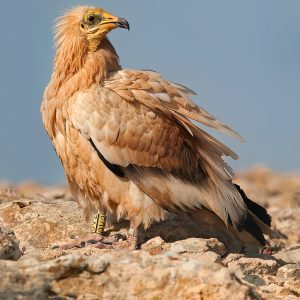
[91,19]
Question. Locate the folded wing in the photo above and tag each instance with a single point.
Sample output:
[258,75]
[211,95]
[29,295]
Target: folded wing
[140,124]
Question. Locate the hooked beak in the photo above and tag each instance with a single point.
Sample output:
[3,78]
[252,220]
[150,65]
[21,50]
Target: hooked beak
[111,22]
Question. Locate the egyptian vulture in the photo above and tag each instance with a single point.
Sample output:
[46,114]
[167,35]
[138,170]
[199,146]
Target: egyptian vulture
[127,141]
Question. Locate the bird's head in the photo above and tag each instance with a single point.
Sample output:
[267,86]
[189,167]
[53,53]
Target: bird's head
[96,23]
[89,23]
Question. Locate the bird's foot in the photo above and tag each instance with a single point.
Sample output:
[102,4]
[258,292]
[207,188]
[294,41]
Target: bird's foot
[119,241]
[115,241]
[130,243]
[91,240]
[267,249]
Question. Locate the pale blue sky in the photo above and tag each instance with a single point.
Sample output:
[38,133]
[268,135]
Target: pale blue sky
[242,57]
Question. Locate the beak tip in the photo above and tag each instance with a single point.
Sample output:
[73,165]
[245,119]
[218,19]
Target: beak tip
[119,22]
[125,24]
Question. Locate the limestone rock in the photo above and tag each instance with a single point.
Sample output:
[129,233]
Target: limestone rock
[155,244]
[39,223]
[9,245]
[138,276]
[290,255]
[253,269]
[7,192]
[210,257]
[291,271]
[177,259]
[197,245]
[231,257]
[249,265]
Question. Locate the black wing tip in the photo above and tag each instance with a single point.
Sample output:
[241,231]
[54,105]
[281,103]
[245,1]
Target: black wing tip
[255,208]
[250,224]
[253,228]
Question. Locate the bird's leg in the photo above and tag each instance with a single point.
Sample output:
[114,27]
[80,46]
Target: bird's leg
[98,240]
[133,236]
[98,226]
[97,237]
[121,240]
[99,221]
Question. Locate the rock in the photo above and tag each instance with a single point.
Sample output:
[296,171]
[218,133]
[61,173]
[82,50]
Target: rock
[210,257]
[262,183]
[231,257]
[97,265]
[7,192]
[197,245]
[177,260]
[177,248]
[38,224]
[17,283]
[287,221]
[31,189]
[253,269]
[138,276]
[290,255]
[155,244]
[249,265]
[291,271]
[9,245]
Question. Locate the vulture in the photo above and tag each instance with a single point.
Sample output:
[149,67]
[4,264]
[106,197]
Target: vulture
[128,142]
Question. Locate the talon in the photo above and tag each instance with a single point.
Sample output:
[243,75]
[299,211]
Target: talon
[120,236]
[94,240]
[91,242]
[267,249]
[106,242]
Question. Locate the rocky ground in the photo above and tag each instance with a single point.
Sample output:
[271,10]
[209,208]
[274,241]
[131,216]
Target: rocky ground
[175,260]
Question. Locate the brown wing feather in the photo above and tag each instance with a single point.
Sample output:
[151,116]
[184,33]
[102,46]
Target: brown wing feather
[139,122]
[160,93]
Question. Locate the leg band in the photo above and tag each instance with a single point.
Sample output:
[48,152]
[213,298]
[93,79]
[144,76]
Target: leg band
[98,223]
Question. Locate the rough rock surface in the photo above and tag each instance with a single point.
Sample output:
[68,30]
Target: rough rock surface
[176,259]
[9,245]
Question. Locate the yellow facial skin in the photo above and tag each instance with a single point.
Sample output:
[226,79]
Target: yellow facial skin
[97,23]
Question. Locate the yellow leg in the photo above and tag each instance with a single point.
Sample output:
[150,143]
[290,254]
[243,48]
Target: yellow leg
[98,223]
